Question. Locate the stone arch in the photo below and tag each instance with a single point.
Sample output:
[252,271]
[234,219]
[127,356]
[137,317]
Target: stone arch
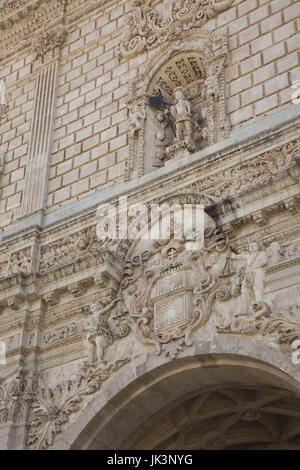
[197,67]
[200,44]
[145,387]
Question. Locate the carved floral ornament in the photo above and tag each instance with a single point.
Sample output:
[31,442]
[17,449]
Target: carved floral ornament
[16,395]
[48,42]
[177,106]
[153,23]
[168,291]
[171,288]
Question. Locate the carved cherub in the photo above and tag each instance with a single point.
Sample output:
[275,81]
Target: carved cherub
[136,119]
[252,275]
[212,80]
[161,142]
[98,333]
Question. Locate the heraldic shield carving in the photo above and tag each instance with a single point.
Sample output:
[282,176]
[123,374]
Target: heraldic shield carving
[169,286]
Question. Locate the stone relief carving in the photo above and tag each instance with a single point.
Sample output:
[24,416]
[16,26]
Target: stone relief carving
[16,396]
[177,105]
[243,307]
[106,323]
[251,275]
[169,290]
[59,334]
[257,170]
[53,408]
[153,23]
[48,42]
[10,11]
[69,248]
[19,261]
[136,119]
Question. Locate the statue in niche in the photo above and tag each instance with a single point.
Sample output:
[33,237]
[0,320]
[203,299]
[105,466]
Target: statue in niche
[212,80]
[160,139]
[136,120]
[178,119]
[181,112]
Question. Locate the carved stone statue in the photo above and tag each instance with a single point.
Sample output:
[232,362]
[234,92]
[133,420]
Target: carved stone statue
[136,119]
[98,333]
[252,275]
[212,80]
[181,112]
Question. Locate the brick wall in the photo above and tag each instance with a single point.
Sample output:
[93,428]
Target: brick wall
[15,135]
[90,141]
[264,39]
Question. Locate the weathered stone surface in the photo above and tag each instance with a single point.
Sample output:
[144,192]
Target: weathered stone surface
[114,115]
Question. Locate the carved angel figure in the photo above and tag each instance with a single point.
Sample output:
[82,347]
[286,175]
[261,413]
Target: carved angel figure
[212,80]
[98,333]
[252,275]
[136,119]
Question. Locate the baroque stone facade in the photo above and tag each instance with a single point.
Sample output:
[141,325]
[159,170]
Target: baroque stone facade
[114,114]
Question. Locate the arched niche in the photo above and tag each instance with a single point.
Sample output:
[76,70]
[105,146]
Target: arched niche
[131,402]
[197,68]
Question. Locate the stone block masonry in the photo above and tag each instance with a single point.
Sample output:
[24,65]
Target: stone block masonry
[90,143]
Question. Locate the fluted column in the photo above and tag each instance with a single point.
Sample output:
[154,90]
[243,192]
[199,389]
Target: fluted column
[47,49]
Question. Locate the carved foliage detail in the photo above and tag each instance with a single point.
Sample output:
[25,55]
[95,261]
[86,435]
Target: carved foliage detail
[48,41]
[54,407]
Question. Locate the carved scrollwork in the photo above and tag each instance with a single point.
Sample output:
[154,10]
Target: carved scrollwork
[169,290]
[146,26]
[242,176]
[53,407]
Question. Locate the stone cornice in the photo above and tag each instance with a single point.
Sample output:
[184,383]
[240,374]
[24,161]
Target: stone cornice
[245,142]
[20,19]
